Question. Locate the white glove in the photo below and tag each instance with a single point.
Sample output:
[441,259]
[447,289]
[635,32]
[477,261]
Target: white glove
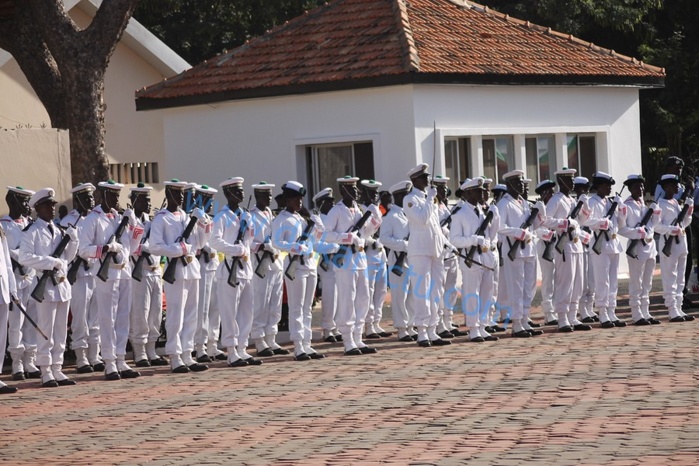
[199,214]
[60,266]
[618,200]
[540,206]
[486,244]
[604,224]
[129,213]
[585,237]
[654,207]
[115,247]
[299,249]
[641,232]
[240,250]
[72,233]
[431,193]
[480,240]
[361,244]
[186,248]
[356,240]
[572,224]
[675,230]
[527,236]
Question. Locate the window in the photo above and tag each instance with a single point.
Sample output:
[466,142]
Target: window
[541,159]
[498,156]
[326,163]
[582,154]
[457,154]
[133,173]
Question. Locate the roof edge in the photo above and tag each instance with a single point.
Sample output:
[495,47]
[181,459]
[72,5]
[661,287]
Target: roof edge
[647,82]
[411,57]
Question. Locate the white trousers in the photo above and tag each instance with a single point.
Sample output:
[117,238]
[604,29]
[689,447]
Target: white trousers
[426,283]
[519,276]
[113,308]
[376,276]
[672,273]
[201,336]
[84,325]
[146,309]
[53,321]
[352,300]
[181,315]
[476,297]
[640,284]
[267,303]
[588,295]
[4,314]
[605,269]
[214,321]
[20,335]
[403,315]
[300,292]
[451,292]
[235,306]
[548,271]
[569,287]
[328,302]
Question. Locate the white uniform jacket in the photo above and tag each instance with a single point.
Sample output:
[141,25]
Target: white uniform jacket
[513,214]
[227,224]
[558,208]
[635,211]
[395,232]
[38,243]
[263,235]
[669,210]
[287,228]
[464,225]
[74,218]
[340,221]
[165,237]
[426,236]
[152,266]
[13,231]
[8,286]
[594,217]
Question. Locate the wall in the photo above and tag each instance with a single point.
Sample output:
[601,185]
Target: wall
[48,166]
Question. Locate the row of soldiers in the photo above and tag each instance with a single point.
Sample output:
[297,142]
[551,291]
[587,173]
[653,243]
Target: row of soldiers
[224,275]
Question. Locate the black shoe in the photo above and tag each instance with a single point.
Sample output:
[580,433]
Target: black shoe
[406,338]
[491,338]
[619,323]
[521,334]
[181,370]
[566,329]
[424,343]
[477,340]
[18,376]
[373,336]
[6,389]
[459,333]
[302,357]
[641,322]
[414,337]
[50,384]
[280,351]
[265,353]
[197,367]
[99,367]
[221,357]
[317,356]
[535,333]
[253,362]
[689,318]
[238,363]
[677,319]
[33,375]
[113,376]
[338,337]
[129,374]
[533,325]
[582,327]
[368,350]
[204,358]
[587,320]
[386,334]
[353,352]
[608,324]
[446,334]
[86,369]
[551,322]
[330,339]
[143,363]
[65,382]
[158,362]
[497,328]
[653,321]
[489,329]
[595,318]
[440,342]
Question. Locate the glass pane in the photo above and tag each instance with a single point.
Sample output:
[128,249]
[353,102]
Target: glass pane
[573,153]
[489,167]
[546,158]
[464,158]
[333,162]
[532,168]
[505,156]
[364,160]
[451,162]
[588,156]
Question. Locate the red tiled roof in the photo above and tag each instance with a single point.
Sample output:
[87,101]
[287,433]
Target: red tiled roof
[349,44]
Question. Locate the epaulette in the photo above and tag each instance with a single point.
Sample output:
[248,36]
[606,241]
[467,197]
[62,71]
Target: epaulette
[160,212]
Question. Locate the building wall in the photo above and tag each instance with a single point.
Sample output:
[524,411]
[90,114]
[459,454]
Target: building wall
[48,166]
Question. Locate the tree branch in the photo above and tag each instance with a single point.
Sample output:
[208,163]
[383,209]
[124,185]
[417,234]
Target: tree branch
[107,27]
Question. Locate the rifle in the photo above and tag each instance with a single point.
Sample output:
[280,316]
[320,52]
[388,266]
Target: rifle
[235,262]
[339,258]
[667,248]
[137,272]
[40,288]
[16,266]
[479,232]
[519,243]
[290,271]
[261,269]
[565,237]
[27,316]
[72,274]
[633,244]
[473,261]
[400,261]
[447,221]
[597,245]
[169,275]
[103,272]
[547,255]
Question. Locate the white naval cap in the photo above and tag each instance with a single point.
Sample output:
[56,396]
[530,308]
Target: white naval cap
[669,178]
[263,186]
[565,171]
[292,189]
[513,174]
[140,188]
[206,189]
[544,186]
[602,178]
[234,181]
[475,183]
[83,187]
[42,196]
[631,179]
[347,179]
[420,169]
[405,185]
[440,179]
[110,185]
[499,187]
[371,184]
[176,184]
[486,181]
[21,191]
[323,194]
[581,180]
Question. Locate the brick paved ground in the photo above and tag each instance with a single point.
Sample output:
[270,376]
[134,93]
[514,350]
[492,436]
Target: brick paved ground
[611,397]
